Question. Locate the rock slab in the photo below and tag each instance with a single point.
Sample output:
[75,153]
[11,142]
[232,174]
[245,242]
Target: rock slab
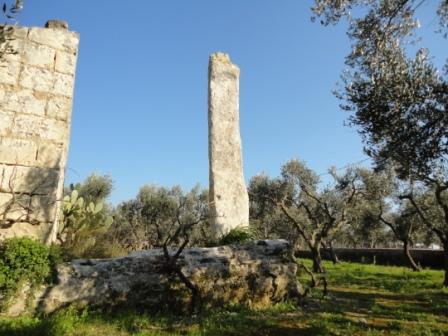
[229,201]
[255,274]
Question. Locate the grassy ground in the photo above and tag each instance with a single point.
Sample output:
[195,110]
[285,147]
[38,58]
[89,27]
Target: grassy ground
[363,300]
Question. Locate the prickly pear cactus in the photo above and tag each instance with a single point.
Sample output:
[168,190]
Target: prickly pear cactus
[81,222]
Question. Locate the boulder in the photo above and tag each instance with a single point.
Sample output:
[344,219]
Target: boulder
[255,274]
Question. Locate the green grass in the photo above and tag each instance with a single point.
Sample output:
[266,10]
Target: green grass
[362,300]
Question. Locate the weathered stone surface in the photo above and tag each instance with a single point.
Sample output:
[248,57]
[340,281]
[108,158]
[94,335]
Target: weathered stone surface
[9,72]
[20,33]
[57,38]
[65,62]
[6,122]
[49,155]
[13,151]
[59,108]
[32,180]
[42,208]
[255,274]
[20,229]
[229,202]
[63,84]
[27,126]
[39,55]
[17,45]
[37,79]
[15,209]
[24,101]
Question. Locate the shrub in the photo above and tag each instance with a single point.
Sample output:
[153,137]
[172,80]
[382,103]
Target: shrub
[24,260]
[237,236]
[105,247]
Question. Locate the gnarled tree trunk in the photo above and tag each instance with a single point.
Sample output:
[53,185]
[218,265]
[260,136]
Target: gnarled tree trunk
[408,256]
[445,257]
[330,250]
[317,259]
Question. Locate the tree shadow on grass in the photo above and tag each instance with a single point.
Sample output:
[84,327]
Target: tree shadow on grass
[413,304]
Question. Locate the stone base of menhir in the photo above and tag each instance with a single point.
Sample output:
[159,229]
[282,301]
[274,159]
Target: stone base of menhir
[255,274]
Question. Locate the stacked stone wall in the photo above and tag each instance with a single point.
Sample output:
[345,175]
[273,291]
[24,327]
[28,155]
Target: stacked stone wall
[36,89]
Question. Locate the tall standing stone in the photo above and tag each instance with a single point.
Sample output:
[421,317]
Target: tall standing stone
[36,89]
[229,201]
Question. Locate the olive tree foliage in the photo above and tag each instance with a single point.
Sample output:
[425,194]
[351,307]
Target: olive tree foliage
[364,231]
[95,188]
[387,206]
[398,102]
[316,214]
[431,205]
[158,217]
[9,10]
[265,217]
[407,227]
[153,217]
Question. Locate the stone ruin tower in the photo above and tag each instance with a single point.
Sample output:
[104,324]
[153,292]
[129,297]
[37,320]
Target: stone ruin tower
[229,201]
[36,89]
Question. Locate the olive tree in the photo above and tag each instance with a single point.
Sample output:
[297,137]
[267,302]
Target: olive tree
[314,212]
[398,102]
[265,217]
[154,215]
[386,205]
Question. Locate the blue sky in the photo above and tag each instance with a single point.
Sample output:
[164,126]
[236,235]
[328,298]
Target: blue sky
[140,108]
